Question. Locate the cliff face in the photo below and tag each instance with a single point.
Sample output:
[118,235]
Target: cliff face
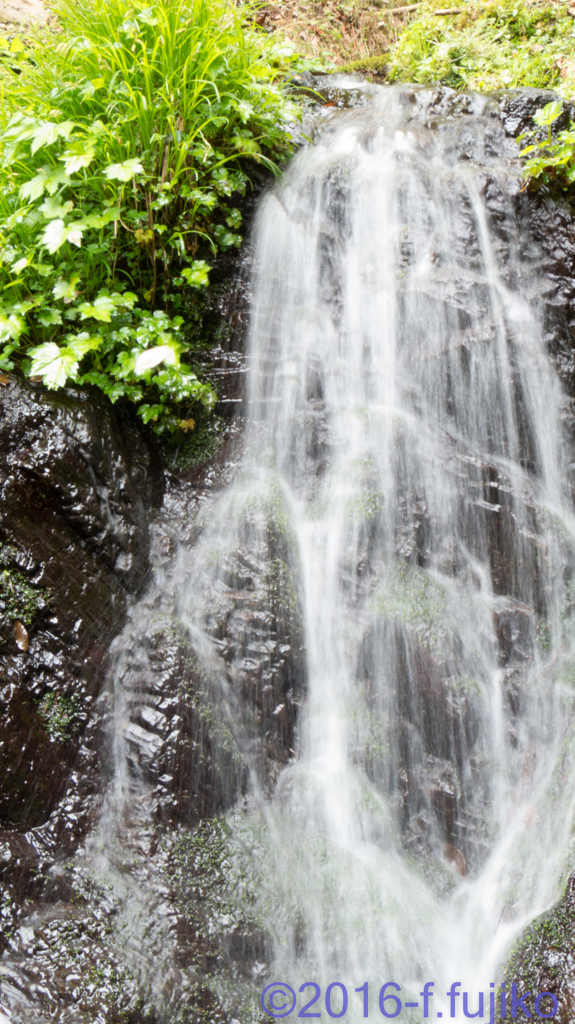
[78,485]
[87,508]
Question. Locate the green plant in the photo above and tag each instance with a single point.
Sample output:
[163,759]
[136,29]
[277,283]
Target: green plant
[554,159]
[60,715]
[19,600]
[125,139]
[488,46]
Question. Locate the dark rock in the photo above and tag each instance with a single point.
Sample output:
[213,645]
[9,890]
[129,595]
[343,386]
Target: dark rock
[544,961]
[516,108]
[77,483]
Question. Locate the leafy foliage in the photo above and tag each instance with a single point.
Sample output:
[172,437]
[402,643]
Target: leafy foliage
[489,46]
[124,143]
[553,161]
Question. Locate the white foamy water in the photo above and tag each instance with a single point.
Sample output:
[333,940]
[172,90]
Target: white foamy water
[403,428]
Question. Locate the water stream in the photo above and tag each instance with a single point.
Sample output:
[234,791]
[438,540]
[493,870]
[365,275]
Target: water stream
[405,453]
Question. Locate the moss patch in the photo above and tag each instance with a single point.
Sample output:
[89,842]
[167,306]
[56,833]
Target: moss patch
[60,715]
[19,599]
[541,960]
[489,46]
[413,598]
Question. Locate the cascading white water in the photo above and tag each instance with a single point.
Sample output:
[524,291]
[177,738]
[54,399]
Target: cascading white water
[403,405]
[403,431]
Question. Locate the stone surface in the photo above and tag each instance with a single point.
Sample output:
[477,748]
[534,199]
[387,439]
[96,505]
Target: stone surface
[77,486]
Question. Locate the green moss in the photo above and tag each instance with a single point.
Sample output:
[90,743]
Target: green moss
[60,715]
[377,65]
[529,958]
[213,891]
[186,450]
[365,506]
[416,600]
[488,47]
[19,600]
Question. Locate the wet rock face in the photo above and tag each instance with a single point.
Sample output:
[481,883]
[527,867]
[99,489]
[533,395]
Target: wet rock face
[177,730]
[544,961]
[77,484]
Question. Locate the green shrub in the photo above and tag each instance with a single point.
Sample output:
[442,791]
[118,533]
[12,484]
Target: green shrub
[489,46]
[125,137]
[553,160]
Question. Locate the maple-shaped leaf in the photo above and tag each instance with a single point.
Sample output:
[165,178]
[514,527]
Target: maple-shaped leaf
[101,309]
[125,171]
[53,364]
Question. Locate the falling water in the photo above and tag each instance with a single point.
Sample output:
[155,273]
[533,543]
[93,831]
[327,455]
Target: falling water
[404,453]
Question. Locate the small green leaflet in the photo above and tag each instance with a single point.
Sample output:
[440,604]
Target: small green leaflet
[101,309]
[77,156]
[66,289]
[57,233]
[125,171]
[548,114]
[48,179]
[54,364]
[52,208]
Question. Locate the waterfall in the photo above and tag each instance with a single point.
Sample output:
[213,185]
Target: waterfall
[405,476]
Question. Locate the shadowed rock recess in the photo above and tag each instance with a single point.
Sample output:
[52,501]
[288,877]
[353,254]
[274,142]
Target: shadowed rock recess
[155,644]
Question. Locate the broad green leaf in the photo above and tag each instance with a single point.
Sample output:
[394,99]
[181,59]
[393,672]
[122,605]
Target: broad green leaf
[125,171]
[150,412]
[66,289]
[101,309]
[19,265]
[198,274]
[11,325]
[81,343]
[52,208]
[44,269]
[244,109]
[100,220]
[74,234]
[246,145]
[49,316]
[48,179]
[148,16]
[549,114]
[48,132]
[55,235]
[53,364]
[77,156]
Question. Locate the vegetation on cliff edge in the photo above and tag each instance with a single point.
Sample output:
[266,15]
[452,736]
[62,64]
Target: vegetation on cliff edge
[127,133]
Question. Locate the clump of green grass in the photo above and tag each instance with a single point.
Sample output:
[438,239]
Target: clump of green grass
[489,46]
[125,138]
